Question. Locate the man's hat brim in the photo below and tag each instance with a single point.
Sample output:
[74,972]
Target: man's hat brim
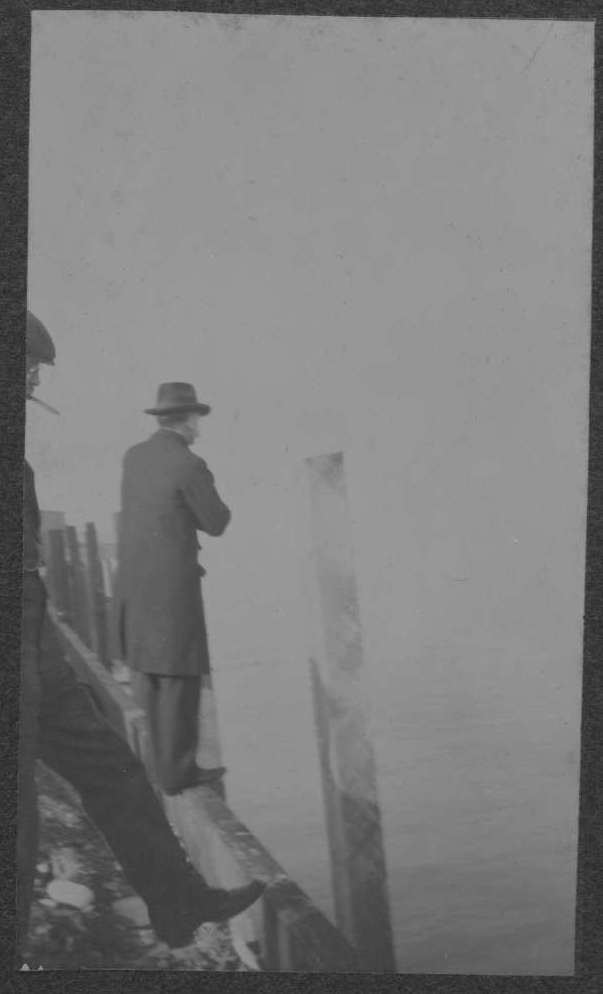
[201,409]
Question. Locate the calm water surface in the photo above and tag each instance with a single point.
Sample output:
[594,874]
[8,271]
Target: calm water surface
[479,806]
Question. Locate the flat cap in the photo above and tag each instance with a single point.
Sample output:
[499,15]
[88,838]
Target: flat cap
[39,344]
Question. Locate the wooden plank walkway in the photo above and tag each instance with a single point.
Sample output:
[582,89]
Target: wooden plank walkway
[285,931]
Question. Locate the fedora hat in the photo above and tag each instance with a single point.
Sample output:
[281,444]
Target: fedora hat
[173,398]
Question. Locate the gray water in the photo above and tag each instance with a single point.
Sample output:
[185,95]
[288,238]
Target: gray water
[479,813]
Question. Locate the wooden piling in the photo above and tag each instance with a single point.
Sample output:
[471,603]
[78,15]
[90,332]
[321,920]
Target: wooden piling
[345,751]
[80,606]
[113,609]
[115,641]
[99,600]
[49,521]
[284,929]
[58,575]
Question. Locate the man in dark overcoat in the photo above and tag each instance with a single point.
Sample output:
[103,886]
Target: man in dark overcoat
[60,724]
[168,495]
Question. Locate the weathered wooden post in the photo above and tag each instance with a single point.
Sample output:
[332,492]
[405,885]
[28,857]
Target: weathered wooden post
[113,607]
[80,608]
[97,590]
[346,754]
[49,521]
[58,574]
[115,646]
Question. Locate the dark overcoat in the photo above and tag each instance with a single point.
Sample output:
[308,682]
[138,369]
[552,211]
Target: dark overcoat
[168,494]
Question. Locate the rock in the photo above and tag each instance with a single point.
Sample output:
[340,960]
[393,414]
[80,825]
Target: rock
[57,811]
[134,910]
[213,941]
[146,937]
[70,893]
[249,961]
[66,864]
[47,902]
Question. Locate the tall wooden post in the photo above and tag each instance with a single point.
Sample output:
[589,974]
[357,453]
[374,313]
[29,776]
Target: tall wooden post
[99,601]
[58,575]
[49,521]
[346,754]
[115,646]
[80,607]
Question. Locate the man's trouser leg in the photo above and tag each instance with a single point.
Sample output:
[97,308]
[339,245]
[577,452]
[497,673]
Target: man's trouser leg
[171,704]
[78,743]
[34,605]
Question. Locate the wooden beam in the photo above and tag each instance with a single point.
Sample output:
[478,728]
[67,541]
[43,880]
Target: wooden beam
[113,606]
[345,750]
[49,521]
[99,600]
[58,574]
[80,605]
[118,707]
[293,935]
[288,931]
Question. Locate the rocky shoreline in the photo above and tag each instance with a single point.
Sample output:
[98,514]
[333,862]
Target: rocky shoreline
[85,916]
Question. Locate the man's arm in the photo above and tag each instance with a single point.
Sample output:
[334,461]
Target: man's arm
[201,496]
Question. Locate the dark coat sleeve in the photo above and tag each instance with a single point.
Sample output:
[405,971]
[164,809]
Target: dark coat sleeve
[209,511]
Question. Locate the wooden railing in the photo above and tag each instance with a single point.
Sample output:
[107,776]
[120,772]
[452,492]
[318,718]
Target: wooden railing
[284,931]
[81,584]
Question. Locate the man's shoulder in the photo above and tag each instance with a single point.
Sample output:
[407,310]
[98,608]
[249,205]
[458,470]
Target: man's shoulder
[135,450]
[164,448]
[142,453]
[157,442]
[194,462]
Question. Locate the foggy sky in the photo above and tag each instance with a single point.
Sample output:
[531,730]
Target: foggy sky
[370,236]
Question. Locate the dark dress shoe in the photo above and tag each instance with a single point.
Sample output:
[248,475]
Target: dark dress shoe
[212,905]
[224,904]
[199,778]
